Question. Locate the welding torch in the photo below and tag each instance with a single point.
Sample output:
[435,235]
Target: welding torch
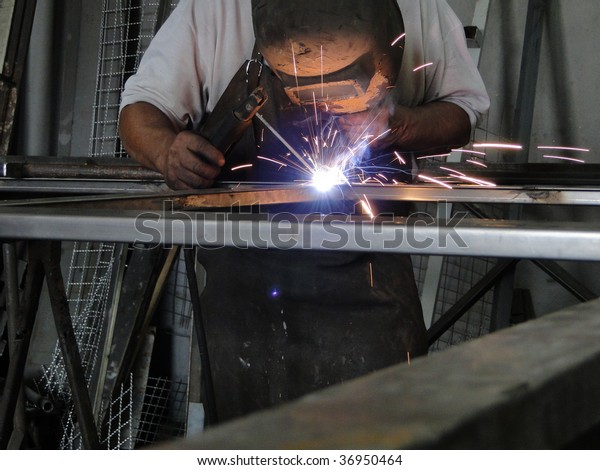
[235,123]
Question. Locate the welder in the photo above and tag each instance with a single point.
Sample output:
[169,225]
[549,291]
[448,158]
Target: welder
[283,323]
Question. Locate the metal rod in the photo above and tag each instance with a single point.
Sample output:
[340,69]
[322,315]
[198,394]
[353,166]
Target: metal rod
[530,61]
[560,275]
[206,373]
[50,253]
[14,376]
[21,335]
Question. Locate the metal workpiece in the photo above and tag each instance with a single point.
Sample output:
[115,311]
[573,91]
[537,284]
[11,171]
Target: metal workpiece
[25,167]
[46,187]
[418,234]
[148,195]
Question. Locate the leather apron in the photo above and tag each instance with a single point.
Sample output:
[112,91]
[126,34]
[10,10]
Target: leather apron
[283,323]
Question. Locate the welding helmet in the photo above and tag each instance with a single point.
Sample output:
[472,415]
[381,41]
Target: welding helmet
[343,55]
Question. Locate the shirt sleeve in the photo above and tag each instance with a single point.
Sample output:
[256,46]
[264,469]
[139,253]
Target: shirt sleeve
[170,75]
[453,76]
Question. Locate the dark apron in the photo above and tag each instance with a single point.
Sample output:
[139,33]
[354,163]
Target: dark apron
[281,324]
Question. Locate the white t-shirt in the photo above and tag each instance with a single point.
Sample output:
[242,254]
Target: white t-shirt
[201,46]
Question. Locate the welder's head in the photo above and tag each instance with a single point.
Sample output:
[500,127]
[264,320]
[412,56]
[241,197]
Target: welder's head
[345,54]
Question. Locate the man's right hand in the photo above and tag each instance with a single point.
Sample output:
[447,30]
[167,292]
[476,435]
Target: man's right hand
[191,162]
[186,159]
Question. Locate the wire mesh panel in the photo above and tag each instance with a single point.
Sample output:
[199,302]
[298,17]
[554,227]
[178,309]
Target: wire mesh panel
[88,287]
[126,30]
[164,399]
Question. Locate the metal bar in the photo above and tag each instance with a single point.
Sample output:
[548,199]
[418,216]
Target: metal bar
[73,171]
[426,236]
[503,300]
[513,389]
[530,61]
[143,282]
[560,275]
[6,14]
[12,387]
[553,269]
[468,300]
[21,337]
[140,196]
[50,255]
[13,67]
[45,188]
[206,372]
[433,274]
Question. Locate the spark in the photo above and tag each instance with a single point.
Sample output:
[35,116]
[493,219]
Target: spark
[400,159]
[398,39]
[366,205]
[380,136]
[295,67]
[282,140]
[371,275]
[272,160]
[476,181]
[498,146]
[420,67]
[568,149]
[475,162]
[462,176]
[408,357]
[558,157]
[322,79]
[240,167]
[436,181]
[439,155]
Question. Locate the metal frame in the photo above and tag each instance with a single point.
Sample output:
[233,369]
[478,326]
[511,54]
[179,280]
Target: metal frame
[167,220]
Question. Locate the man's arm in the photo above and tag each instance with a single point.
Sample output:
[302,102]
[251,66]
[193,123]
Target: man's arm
[186,159]
[433,127]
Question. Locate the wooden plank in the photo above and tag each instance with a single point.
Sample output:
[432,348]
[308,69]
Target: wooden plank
[535,385]
[13,65]
[6,14]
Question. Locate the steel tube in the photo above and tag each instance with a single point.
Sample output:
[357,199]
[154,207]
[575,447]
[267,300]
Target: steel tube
[467,237]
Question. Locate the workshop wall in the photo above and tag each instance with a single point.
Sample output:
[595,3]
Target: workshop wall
[567,108]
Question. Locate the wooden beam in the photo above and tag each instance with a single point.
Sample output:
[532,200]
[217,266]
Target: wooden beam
[535,385]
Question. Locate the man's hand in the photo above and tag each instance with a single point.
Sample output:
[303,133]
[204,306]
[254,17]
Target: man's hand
[431,127]
[191,162]
[186,159]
